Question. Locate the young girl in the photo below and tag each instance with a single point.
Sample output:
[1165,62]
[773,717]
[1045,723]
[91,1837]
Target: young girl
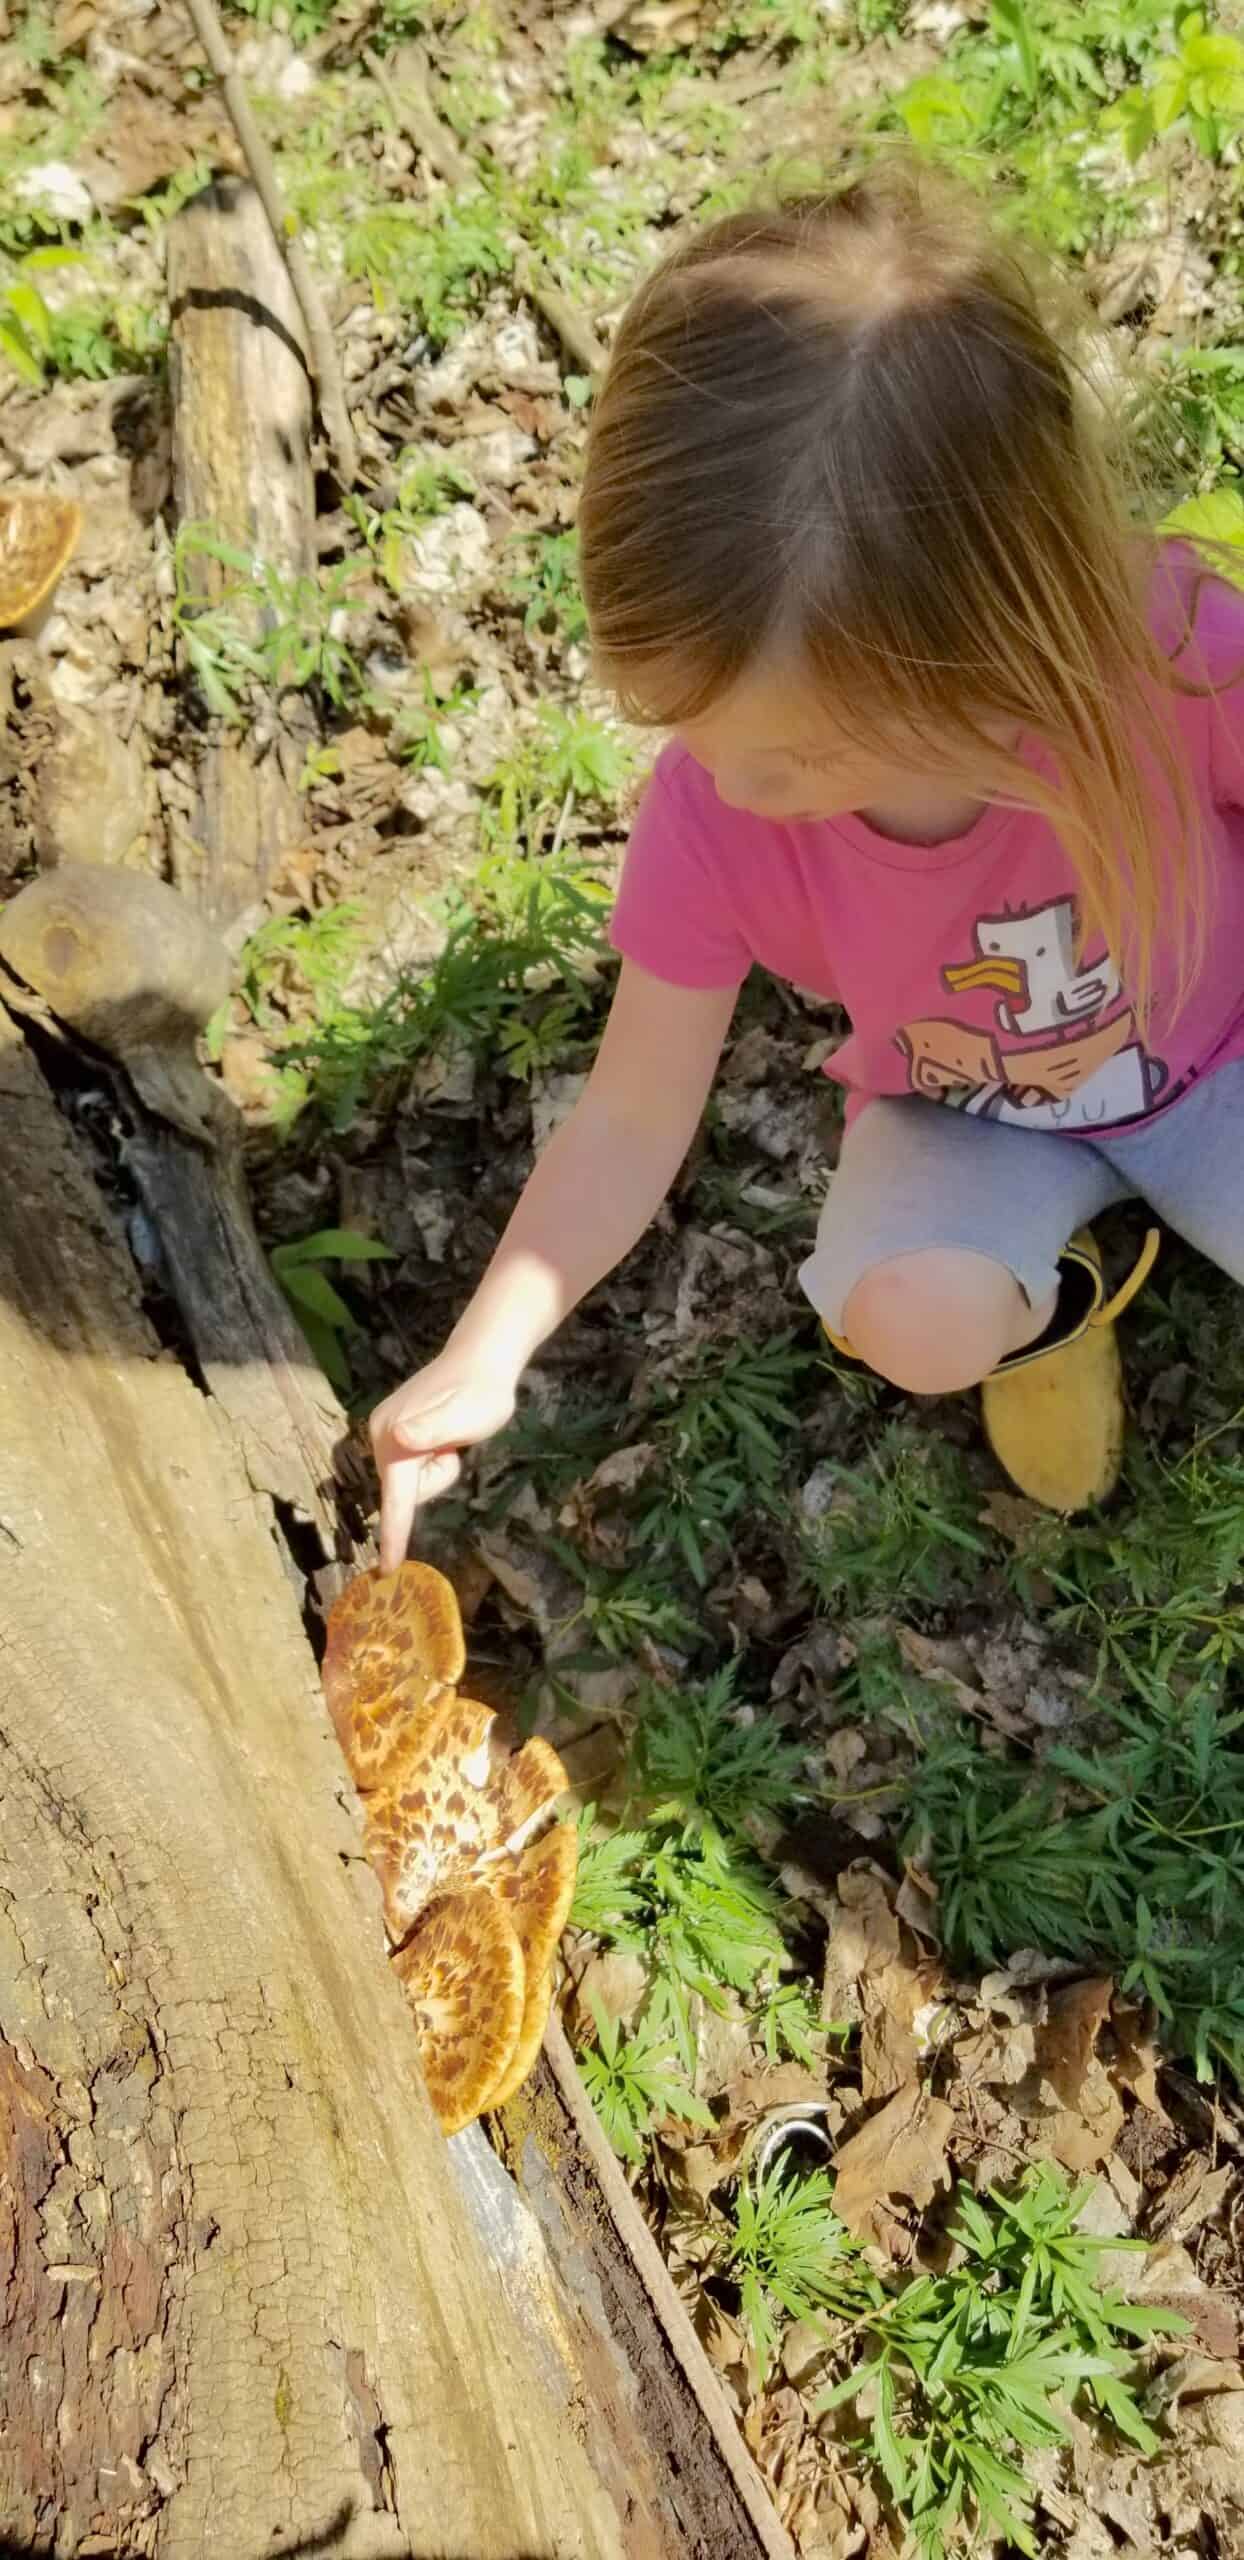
[954,745]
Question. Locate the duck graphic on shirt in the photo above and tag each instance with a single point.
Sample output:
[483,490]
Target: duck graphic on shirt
[1064,1051]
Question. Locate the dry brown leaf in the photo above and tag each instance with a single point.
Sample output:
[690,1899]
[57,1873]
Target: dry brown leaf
[1067,2043]
[1193,2197]
[899,2152]
[614,1980]
[1137,2061]
[938,1659]
[864,1937]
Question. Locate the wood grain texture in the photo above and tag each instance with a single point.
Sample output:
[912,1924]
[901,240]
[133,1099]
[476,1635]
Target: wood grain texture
[243,2311]
[241,464]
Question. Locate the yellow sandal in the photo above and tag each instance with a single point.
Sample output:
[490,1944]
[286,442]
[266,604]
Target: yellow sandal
[1054,1412]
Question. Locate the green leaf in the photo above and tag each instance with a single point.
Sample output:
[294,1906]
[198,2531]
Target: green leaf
[1214,518]
[311,1293]
[32,315]
[13,345]
[38,261]
[332,1244]
[326,1346]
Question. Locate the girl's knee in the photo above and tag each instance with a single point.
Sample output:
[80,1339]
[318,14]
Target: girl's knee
[935,1322]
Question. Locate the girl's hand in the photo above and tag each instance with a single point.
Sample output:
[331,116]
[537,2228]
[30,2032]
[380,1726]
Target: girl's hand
[417,1432]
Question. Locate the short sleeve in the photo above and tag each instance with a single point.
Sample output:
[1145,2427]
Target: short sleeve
[672,915]
[1220,642]
[1198,620]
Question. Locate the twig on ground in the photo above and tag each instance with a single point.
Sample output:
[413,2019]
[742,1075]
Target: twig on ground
[574,329]
[406,94]
[258,159]
[409,99]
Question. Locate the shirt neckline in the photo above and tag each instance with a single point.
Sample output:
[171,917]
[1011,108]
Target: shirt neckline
[892,854]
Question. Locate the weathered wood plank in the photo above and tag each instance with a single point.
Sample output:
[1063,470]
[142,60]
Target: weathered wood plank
[241,464]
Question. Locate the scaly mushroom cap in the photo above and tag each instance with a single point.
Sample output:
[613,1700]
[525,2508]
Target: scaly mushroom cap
[537,1889]
[450,1801]
[522,2061]
[38,537]
[395,1644]
[462,1972]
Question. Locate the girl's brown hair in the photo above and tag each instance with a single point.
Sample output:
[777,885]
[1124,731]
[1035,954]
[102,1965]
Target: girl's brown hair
[842,436]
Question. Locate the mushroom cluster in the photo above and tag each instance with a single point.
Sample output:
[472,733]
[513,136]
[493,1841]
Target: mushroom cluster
[477,1879]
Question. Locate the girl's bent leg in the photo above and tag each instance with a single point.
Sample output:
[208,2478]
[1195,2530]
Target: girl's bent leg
[937,1251]
[1189,1165]
[938,1321]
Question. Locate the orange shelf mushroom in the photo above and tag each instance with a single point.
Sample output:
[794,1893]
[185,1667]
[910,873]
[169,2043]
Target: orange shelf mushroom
[462,1972]
[38,537]
[477,1888]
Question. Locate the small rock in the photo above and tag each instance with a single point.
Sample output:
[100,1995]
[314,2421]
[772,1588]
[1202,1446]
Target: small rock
[57,189]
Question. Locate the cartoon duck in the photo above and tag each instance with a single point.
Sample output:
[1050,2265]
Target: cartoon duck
[1091,1073]
[1033,957]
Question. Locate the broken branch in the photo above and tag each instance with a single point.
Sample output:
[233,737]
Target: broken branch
[258,159]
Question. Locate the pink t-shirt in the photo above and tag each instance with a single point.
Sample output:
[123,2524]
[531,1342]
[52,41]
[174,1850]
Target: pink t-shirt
[958,964]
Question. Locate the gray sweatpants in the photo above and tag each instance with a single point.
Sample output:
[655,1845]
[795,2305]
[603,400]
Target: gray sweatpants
[915,1174]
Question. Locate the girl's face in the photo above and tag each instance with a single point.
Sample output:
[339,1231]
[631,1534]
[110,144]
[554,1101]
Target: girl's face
[772,748]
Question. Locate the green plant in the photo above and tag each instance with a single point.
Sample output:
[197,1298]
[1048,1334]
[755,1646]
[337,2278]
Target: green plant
[1130,1856]
[700,1908]
[725,1430]
[789,2253]
[321,1310]
[1200,85]
[899,1529]
[315,951]
[968,2370]
[788,2021]
[265,630]
[566,759]
[608,1895]
[695,1750]
[633,2080]
[547,585]
[428,482]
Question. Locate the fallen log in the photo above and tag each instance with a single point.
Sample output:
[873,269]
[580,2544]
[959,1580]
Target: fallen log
[242,2308]
[241,466]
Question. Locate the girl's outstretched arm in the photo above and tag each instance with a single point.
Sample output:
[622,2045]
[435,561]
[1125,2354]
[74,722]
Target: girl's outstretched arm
[597,1185]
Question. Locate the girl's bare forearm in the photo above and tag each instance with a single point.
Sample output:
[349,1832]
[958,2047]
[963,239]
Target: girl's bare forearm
[597,1186]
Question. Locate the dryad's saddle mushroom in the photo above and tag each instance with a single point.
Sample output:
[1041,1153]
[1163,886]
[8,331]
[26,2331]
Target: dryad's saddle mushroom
[476,1895]
[38,537]
[125,961]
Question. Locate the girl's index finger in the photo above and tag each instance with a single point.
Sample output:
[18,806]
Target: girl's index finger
[405,1483]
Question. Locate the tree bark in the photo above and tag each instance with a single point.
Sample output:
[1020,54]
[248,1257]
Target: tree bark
[242,2309]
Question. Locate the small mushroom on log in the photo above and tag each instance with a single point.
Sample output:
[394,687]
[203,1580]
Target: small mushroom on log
[38,537]
[125,962]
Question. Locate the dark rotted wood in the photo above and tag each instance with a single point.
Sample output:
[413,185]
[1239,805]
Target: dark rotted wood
[242,414]
[246,1343]
[667,2420]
